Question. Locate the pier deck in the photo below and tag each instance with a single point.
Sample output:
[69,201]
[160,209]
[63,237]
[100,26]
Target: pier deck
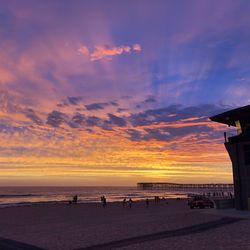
[179,186]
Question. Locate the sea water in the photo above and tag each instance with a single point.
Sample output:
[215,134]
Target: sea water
[18,196]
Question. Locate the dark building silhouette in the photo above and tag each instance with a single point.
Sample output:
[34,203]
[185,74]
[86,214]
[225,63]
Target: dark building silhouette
[238,148]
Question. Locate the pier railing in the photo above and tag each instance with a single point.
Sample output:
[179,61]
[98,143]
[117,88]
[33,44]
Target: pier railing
[178,186]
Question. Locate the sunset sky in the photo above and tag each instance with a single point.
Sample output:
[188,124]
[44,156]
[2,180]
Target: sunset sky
[119,92]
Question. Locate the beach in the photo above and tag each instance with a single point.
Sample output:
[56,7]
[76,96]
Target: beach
[63,226]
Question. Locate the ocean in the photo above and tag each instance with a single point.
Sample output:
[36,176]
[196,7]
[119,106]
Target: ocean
[19,196]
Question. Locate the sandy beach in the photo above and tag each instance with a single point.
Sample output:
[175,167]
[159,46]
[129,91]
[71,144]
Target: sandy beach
[63,226]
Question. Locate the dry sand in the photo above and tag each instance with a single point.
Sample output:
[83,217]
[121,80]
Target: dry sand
[63,226]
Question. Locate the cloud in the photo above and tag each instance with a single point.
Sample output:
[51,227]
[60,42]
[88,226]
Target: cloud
[114,103]
[33,116]
[176,122]
[77,120]
[100,105]
[95,106]
[120,110]
[105,51]
[169,133]
[93,121]
[71,100]
[150,99]
[12,129]
[84,50]
[8,103]
[137,47]
[135,135]
[56,118]
[174,113]
[74,100]
[118,121]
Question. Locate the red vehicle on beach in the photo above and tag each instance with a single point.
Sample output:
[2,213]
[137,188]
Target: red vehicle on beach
[200,202]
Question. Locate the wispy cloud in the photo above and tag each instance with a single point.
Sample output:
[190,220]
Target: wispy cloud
[105,51]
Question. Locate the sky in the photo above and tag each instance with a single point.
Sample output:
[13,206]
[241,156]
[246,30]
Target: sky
[119,92]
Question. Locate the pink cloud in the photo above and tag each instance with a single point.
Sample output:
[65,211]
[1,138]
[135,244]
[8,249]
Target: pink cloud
[105,51]
[137,47]
[84,50]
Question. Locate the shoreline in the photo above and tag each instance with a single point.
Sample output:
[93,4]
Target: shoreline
[12,197]
[66,202]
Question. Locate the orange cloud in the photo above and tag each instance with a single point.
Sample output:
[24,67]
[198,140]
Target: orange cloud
[104,51]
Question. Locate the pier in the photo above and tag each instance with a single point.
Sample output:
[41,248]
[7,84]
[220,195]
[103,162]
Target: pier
[179,186]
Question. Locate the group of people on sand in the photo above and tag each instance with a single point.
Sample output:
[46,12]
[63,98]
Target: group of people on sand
[130,201]
[158,199]
[124,202]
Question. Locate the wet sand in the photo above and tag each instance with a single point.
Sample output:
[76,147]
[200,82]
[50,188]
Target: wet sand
[63,226]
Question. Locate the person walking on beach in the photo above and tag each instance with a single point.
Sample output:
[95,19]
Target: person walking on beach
[124,202]
[104,202]
[130,202]
[147,202]
[75,198]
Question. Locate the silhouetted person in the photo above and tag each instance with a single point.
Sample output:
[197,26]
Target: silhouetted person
[130,202]
[157,199]
[104,201]
[124,202]
[147,202]
[75,198]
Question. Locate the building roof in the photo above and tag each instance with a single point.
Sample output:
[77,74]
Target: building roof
[231,116]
